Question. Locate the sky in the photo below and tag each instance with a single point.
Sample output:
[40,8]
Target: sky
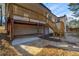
[60,9]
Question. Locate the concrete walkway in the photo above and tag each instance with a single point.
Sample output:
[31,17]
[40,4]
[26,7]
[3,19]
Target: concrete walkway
[29,46]
[27,39]
[71,38]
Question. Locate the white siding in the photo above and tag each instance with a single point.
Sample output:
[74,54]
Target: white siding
[50,30]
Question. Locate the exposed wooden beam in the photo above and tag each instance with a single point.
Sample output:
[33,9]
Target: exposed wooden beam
[29,23]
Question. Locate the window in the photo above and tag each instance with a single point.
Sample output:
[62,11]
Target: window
[0,15]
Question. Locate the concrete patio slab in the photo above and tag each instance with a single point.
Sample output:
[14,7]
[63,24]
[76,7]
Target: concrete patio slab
[22,40]
[33,45]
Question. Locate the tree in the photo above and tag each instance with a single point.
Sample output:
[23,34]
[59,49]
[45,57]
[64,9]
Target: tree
[74,7]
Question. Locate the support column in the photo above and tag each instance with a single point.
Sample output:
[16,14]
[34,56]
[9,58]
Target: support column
[11,24]
[38,29]
[44,30]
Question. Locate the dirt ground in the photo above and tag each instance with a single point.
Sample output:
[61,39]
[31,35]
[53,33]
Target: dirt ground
[6,50]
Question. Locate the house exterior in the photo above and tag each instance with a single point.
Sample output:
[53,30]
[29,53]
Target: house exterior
[27,19]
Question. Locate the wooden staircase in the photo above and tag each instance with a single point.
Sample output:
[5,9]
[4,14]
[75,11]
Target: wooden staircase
[57,32]
[62,28]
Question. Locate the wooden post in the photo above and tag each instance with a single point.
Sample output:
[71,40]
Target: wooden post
[38,29]
[48,29]
[11,24]
[44,30]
